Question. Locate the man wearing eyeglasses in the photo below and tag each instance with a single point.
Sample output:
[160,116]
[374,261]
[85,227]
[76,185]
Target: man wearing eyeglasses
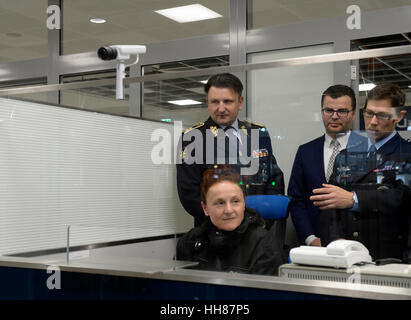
[373,202]
[314,162]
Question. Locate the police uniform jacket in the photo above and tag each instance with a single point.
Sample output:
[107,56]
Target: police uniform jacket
[382,223]
[249,248]
[268,180]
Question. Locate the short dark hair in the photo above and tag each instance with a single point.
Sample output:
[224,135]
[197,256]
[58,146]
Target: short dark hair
[338,91]
[224,80]
[389,91]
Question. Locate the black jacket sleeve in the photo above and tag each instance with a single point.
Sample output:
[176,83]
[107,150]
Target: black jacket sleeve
[275,183]
[267,256]
[186,245]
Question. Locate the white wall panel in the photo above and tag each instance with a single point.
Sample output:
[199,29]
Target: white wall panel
[61,167]
[288,100]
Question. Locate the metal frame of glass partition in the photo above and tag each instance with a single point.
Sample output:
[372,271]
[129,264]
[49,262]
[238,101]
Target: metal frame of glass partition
[324,58]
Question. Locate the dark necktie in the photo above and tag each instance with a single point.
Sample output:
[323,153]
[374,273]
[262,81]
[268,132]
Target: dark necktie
[336,148]
[372,157]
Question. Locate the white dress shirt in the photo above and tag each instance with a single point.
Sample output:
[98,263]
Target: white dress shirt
[342,138]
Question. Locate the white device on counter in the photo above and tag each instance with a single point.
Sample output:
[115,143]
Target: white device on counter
[338,254]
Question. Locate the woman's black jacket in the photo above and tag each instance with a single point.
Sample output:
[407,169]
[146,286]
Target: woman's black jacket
[250,248]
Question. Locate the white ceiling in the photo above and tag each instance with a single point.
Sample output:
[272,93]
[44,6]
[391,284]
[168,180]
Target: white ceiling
[23,32]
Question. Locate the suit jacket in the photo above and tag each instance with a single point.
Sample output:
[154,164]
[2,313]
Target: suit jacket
[382,223]
[308,174]
[268,180]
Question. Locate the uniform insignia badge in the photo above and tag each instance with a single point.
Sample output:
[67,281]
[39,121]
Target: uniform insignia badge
[182,155]
[198,125]
[244,130]
[214,130]
[260,153]
[256,124]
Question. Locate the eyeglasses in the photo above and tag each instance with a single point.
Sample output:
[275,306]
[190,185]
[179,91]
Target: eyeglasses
[380,116]
[340,112]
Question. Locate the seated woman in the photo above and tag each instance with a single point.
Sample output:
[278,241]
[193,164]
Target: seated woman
[233,237]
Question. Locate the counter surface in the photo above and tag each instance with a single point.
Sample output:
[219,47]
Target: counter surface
[174,271]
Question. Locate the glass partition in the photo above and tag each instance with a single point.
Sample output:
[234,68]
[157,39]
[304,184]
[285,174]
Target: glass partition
[98,98]
[179,99]
[32,95]
[295,89]
[117,246]
[393,69]
[113,179]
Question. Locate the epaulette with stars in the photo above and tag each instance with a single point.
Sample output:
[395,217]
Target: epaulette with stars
[255,124]
[197,125]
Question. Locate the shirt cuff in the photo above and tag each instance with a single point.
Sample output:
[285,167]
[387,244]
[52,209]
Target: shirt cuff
[310,239]
[356,206]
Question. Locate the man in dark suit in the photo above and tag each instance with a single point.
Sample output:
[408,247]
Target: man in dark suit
[224,139]
[372,200]
[314,160]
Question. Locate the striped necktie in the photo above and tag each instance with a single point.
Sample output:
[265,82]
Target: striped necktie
[336,148]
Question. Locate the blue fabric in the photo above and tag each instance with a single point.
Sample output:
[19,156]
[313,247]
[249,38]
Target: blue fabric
[269,206]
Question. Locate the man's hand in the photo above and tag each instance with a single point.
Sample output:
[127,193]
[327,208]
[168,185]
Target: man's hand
[332,197]
[316,242]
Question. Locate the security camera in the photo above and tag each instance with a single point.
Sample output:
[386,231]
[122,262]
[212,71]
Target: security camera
[120,52]
[125,54]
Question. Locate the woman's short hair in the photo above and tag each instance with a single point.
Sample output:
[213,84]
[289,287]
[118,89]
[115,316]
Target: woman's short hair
[219,174]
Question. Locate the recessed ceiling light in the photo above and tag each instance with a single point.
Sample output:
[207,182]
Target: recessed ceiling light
[97,20]
[366,86]
[204,81]
[193,12]
[184,102]
[409,87]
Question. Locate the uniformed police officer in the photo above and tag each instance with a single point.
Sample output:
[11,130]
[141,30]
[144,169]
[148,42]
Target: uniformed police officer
[222,138]
[372,193]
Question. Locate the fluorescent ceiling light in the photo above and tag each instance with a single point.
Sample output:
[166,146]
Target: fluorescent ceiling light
[366,86]
[193,12]
[204,81]
[184,102]
[97,20]
[166,120]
